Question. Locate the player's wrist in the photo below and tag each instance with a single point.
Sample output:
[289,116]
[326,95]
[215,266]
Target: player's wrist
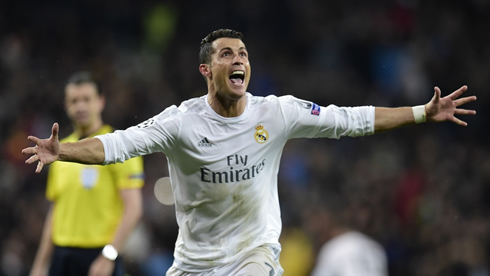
[61,156]
[419,114]
[110,252]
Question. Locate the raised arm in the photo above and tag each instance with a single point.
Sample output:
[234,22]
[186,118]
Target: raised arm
[437,110]
[46,151]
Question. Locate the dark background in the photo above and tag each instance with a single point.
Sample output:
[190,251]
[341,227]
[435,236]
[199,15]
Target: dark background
[424,189]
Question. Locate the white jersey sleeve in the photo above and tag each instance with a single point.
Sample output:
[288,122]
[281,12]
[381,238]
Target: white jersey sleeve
[157,134]
[307,119]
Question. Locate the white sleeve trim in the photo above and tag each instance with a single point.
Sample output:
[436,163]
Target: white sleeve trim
[114,150]
[104,144]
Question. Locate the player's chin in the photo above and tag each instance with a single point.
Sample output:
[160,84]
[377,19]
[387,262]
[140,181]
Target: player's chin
[238,90]
[83,122]
[236,95]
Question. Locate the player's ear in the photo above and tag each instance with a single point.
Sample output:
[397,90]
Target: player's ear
[205,70]
[102,103]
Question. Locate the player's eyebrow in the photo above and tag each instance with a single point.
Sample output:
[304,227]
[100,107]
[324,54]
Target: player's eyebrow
[230,49]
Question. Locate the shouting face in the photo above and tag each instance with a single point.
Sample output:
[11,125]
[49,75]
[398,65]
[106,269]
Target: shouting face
[228,74]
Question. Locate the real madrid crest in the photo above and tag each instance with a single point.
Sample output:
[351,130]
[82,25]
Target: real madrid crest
[261,135]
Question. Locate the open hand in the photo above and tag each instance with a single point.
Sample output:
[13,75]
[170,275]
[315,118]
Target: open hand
[443,109]
[46,150]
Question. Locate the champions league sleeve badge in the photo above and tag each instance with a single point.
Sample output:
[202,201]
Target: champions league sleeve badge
[315,109]
[146,123]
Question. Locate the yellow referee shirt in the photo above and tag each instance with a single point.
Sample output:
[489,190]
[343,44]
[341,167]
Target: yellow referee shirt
[88,206]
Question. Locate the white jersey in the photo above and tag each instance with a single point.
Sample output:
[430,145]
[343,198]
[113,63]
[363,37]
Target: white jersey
[224,170]
[351,254]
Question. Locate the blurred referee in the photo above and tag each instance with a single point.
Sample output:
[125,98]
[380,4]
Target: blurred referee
[93,208]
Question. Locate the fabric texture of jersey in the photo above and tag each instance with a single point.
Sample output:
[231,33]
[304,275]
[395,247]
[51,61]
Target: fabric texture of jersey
[262,260]
[224,170]
[351,254]
[88,205]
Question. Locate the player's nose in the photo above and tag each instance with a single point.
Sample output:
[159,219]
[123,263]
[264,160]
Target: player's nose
[237,60]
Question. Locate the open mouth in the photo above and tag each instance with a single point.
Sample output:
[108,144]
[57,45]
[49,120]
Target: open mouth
[237,77]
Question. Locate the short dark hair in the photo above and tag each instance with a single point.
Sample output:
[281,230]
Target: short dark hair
[206,49]
[83,77]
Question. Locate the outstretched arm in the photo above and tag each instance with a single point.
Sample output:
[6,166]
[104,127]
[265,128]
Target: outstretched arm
[46,151]
[437,110]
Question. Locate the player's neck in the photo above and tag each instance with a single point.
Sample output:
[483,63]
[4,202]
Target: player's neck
[86,131]
[227,107]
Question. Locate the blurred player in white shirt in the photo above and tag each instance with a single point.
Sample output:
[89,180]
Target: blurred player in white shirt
[345,251]
[224,150]
[351,254]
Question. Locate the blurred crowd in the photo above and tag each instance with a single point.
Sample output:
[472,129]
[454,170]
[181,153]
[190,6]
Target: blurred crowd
[421,191]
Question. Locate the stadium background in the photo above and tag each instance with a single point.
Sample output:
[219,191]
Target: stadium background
[425,189]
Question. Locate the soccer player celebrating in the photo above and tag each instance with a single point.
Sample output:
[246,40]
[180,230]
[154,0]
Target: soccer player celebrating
[223,152]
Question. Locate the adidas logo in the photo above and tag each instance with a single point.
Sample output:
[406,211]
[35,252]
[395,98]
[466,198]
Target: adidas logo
[204,143]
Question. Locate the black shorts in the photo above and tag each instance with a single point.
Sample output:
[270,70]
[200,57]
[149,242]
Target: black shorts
[74,261]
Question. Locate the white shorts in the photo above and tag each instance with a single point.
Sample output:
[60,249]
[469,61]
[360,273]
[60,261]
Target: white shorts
[262,261]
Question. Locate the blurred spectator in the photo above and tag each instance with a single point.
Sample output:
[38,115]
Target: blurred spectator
[297,256]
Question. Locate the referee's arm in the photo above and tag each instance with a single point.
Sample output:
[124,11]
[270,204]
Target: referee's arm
[45,250]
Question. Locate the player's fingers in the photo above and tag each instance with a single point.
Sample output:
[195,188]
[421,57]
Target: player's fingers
[464,100]
[460,111]
[34,139]
[32,159]
[30,150]
[437,94]
[458,92]
[55,130]
[39,166]
[459,122]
